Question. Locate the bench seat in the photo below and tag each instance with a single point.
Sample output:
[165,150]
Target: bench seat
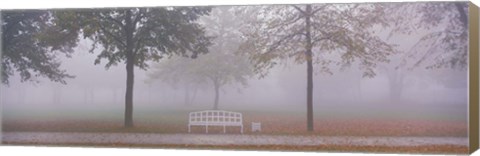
[215,118]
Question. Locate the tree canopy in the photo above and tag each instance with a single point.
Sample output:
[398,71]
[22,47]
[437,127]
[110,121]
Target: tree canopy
[149,33]
[338,32]
[31,44]
[446,44]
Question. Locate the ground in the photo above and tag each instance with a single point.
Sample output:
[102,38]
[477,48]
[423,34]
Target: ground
[456,145]
[280,131]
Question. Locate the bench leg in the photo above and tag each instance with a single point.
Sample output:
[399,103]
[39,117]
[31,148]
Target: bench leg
[223,128]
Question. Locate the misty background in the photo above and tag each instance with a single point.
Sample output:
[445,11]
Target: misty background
[442,93]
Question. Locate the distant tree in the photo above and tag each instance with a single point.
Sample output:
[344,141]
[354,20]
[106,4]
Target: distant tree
[396,76]
[446,44]
[215,68]
[135,36]
[221,66]
[31,42]
[322,34]
[177,72]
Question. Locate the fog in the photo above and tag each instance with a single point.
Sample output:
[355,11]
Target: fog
[95,89]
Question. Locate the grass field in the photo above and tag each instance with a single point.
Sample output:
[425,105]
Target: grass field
[329,122]
[275,123]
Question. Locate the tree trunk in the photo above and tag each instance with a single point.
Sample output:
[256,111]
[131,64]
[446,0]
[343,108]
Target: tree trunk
[187,95]
[130,73]
[129,95]
[217,92]
[22,95]
[88,95]
[55,95]
[358,86]
[85,96]
[114,96]
[149,93]
[91,94]
[395,79]
[308,55]
[195,89]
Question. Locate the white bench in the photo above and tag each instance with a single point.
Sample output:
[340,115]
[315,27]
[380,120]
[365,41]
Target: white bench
[215,118]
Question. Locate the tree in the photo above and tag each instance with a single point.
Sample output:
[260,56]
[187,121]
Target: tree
[320,34]
[31,42]
[177,72]
[215,68]
[135,36]
[221,66]
[446,44]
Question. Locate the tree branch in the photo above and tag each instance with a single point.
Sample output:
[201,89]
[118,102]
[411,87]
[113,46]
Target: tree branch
[326,37]
[288,23]
[299,9]
[117,38]
[119,23]
[279,42]
[137,45]
[318,9]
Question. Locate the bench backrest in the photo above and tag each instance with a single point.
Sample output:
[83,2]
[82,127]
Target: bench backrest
[215,117]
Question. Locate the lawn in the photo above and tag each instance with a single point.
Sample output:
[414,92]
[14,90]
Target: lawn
[274,123]
[292,123]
